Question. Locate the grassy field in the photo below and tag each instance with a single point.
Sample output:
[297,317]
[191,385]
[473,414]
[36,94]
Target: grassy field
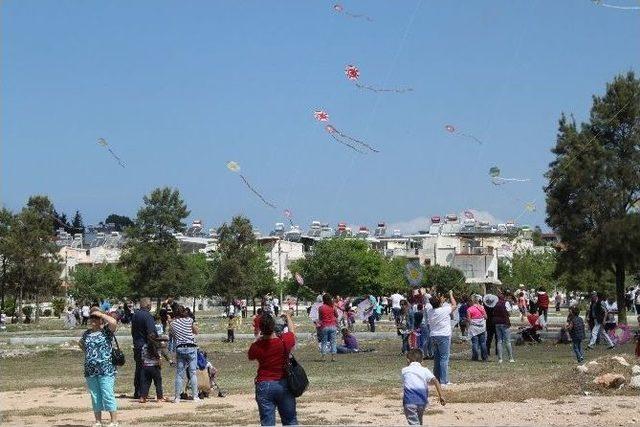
[543,371]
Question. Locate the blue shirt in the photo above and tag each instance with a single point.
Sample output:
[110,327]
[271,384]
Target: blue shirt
[97,353]
[415,378]
[142,324]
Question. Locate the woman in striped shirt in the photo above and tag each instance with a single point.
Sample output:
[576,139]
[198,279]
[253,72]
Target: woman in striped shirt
[184,330]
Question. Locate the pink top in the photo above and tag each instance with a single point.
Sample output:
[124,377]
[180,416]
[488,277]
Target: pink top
[476,312]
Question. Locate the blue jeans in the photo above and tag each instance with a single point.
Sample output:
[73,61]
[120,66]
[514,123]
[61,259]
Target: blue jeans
[441,347]
[425,340]
[503,338]
[186,358]
[344,349]
[329,339]
[275,394]
[577,349]
[103,397]
[479,347]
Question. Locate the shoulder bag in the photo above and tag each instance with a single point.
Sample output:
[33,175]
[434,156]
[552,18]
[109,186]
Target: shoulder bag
[296,376]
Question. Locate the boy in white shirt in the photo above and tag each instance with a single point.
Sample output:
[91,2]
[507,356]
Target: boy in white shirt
[415,380]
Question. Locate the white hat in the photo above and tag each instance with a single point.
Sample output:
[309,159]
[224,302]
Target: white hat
[490,300]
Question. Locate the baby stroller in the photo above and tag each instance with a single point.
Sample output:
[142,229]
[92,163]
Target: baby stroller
[207,376]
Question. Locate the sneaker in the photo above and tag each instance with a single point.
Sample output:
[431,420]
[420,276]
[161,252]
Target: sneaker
[197,399]
[499,360]
[512,361]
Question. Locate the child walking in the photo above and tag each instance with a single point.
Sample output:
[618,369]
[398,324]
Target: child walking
[416,379]
[231,327]
[575,326]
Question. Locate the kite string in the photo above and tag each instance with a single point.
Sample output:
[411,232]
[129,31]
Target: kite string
[357,141]
[344,142]
[579,151]
[315,64]
[612,6]
[377,103]
[271,205]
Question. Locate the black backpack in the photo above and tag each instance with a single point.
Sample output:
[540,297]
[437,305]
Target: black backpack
[296,376]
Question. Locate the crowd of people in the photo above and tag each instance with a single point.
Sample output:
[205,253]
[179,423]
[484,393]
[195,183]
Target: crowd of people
[424,320]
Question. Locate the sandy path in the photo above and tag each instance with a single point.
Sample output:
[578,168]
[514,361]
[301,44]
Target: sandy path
[46,406]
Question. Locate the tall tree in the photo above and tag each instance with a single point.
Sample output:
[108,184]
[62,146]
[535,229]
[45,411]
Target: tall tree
[6,220]
[33,252]
[152,255]
[594,184]
[77,224]
[240,264]
[92,283]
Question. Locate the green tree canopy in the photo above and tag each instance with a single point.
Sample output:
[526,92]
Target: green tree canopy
[445,279]
[152,254]
[594,186]
[121,222]
[92,283]
[240,265]
[342,267]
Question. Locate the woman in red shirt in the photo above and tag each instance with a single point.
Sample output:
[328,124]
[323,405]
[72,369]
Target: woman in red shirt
[272,391]
[328,320]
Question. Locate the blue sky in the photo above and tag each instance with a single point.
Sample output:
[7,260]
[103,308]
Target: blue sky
[178,88]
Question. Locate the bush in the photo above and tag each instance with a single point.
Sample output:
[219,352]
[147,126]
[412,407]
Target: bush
[9,306]
[200,307]
[58,306]
[46,312]
[27,310]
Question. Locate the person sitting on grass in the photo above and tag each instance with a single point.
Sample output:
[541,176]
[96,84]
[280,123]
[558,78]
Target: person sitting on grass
[350,343]
[99,371]
[415,381]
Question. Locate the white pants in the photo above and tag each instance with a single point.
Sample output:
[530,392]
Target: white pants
[597,329]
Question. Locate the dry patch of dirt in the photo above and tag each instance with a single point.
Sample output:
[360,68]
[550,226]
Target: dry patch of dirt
[48,406]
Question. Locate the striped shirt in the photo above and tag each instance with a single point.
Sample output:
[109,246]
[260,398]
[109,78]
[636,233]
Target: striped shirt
[182,328]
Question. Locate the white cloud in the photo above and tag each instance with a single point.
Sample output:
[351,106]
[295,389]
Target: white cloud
[411,226]
[423,222]
[483,216]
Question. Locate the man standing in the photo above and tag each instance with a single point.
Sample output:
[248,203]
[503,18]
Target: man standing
[85,313]
[595,318]
[395,305]
[142,327]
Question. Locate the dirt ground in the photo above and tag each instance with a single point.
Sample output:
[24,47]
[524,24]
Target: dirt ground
[48,406]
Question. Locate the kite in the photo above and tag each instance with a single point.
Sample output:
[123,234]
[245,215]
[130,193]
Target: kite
[496,179]
[338,8]
[235,167]
[288,215]
[530,207]
[612,6]
[453,130]
[339,136]
[353,73]
[413,273]
[105,144]
[365,308]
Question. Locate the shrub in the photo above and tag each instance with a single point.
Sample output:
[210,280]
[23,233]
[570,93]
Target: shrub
[46,312]
[58,306]
[27,310]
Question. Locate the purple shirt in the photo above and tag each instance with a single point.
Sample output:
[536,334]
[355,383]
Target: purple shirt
[351,342]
